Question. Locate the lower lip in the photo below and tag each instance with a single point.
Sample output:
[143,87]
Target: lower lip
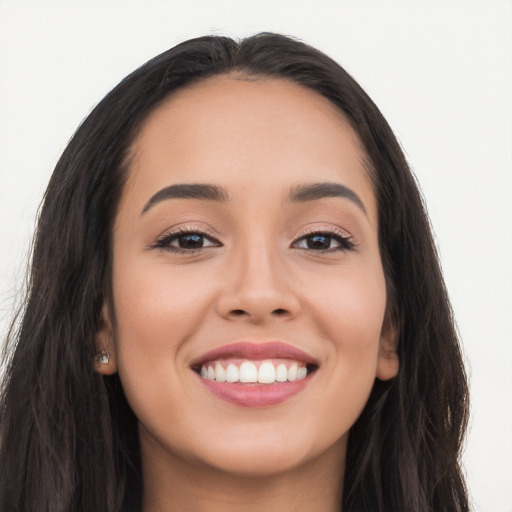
[255,395]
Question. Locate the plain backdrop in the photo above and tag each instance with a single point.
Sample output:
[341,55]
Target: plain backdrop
[441,72]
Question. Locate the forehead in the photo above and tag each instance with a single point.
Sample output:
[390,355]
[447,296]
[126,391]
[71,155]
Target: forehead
[262,106]
[244,132]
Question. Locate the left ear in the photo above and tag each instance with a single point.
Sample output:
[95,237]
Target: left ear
[388,362]
[105,361]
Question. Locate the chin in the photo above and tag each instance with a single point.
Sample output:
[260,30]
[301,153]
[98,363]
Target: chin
[262,455]
[258,463]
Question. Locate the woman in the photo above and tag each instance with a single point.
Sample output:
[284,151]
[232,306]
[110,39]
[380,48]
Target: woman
[235,303]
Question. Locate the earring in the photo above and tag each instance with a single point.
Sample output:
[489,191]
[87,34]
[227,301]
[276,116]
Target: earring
[102,357]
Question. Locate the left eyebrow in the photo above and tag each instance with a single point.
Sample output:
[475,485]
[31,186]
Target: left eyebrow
[314,191]
[188,191]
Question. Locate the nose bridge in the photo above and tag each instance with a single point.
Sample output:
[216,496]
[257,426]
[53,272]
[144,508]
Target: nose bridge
[257,274]
[258,284]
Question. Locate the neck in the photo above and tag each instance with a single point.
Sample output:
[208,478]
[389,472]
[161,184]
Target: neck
[173,484]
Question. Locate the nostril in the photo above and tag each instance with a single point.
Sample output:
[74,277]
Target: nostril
[238,312]
[280,312]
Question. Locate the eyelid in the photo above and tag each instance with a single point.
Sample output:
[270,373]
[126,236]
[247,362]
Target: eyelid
[189,228]
[321,228]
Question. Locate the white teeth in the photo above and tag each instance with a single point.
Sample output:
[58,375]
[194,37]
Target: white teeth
[220,373]
[266,373]
[292,372]
[248,372]
[232,373]
[281,373]
[301,372]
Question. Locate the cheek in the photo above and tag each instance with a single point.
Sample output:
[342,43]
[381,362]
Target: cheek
[350,306]
[350,315]
[157,309]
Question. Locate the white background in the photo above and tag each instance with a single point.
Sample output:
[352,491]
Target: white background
[441,72]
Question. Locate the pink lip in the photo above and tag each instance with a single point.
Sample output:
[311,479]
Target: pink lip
[255,395]
[256,351]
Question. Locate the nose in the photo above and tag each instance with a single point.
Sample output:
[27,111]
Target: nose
[258,289]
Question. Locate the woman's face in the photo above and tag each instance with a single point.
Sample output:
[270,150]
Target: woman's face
[246,248]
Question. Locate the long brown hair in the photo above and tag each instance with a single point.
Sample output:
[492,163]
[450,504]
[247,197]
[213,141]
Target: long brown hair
[68,439]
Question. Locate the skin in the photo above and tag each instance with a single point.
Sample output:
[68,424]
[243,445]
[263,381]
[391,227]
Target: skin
[257,280]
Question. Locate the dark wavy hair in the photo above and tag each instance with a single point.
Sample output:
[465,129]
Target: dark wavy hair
[68,439]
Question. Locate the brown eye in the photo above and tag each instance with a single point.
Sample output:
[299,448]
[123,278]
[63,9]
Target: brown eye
[189,241]
[323,242]
[183,241]
[319,242]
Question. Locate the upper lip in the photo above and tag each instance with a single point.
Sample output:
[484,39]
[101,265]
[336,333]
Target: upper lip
[256,351]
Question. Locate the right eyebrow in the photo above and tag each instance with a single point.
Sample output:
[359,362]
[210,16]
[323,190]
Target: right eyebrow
[188,191]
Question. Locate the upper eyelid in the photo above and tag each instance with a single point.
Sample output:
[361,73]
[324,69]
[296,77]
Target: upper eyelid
[323,229]
[190,228]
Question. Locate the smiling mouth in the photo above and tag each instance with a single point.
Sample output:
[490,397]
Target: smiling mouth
[255,375]
[268,371]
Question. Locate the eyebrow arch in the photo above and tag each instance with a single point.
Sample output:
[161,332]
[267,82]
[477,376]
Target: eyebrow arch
[188,191]
[314,191]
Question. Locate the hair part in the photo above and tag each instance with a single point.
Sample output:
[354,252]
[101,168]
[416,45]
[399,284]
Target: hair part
[68,438]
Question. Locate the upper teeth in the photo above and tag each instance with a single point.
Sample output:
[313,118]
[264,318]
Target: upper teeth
[247,371]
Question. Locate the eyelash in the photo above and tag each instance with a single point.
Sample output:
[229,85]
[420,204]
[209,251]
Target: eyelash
[164,242]
[345,242]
